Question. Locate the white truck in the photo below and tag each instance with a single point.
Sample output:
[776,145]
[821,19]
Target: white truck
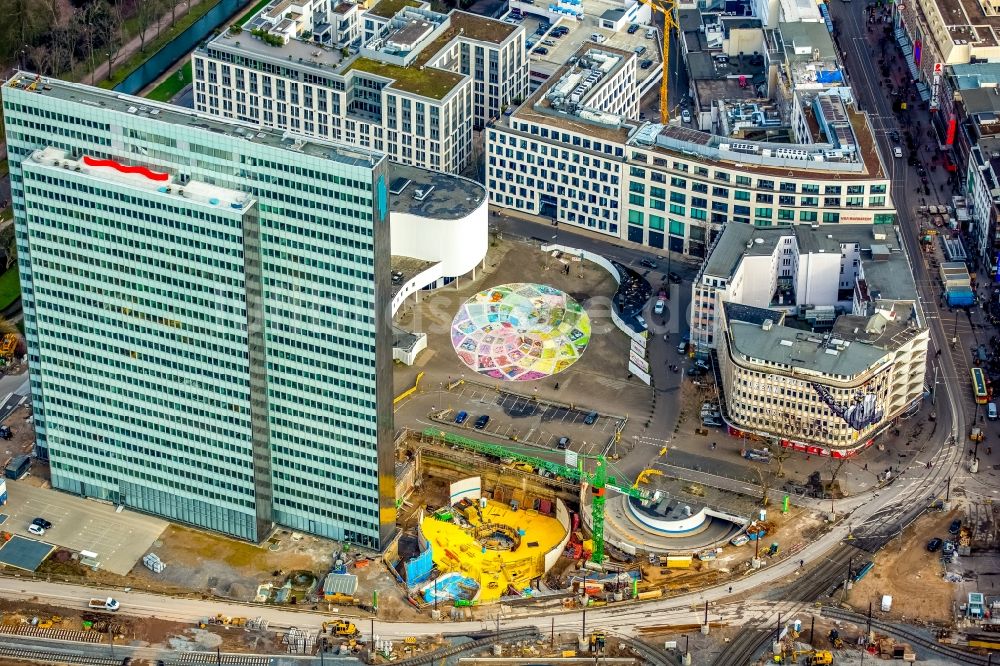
[108,604]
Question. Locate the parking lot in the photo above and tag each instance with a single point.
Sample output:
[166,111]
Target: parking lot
[531,421]
[559,50]
[119,539]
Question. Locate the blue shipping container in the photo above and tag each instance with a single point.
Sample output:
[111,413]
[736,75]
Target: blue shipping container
[961,297]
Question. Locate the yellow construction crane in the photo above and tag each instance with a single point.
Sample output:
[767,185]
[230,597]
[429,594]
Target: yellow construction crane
[665,7]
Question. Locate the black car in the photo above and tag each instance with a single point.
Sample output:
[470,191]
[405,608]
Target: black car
[934,544]
[648,263]
[674,277]
[646,64]
[591,418]
[482,421]
[632,29]
[955,527]
[560,31]
[41,522]
[541,50]
[695,371]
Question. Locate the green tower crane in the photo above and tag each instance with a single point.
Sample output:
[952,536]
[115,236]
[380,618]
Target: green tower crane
[598,480]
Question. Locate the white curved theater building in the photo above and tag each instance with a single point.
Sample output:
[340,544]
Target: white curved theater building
[439,230]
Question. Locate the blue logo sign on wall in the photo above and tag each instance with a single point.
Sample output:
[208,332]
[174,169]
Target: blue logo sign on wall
[383,199]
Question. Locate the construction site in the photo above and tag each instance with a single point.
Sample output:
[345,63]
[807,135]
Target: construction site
[486,523]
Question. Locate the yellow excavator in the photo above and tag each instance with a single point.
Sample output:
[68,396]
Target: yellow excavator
[665,7]
[813,657]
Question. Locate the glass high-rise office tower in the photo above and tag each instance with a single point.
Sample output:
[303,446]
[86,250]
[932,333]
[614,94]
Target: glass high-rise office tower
[206,307]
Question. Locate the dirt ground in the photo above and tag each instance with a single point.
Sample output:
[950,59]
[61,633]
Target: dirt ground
[22,442]
[144,632]
[214,564]
[911,575]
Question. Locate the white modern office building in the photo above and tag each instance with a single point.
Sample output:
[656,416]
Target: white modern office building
[207,309]
[814,331]
[398,78]
[574,153]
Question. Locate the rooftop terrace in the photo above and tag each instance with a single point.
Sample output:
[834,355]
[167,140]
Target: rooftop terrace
[389,8]
[471,26]
[428,81]
[142,178]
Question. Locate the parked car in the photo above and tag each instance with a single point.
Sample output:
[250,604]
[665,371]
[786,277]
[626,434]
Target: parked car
[682,347]
[695,371]
[563,443]
[648,263]
[934,544]
[897,151]
[639,50]
[659,306]
[646,64]
[632,29]
[549,42]
[541,50]
[482,421]
[37,530]
[685,116]
[739,539]
[701,364]
[947,548]
[462,417]
[41,522]
[591,418]
[650,33]
[711,423]
[955,527]
[560,30]
[674,277]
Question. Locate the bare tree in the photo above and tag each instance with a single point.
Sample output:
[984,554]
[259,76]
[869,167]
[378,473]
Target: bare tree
[780,454]
[110,33]
[40,58]
[157,6]
[764,480]
[11,253]
[836,469]
[146,13]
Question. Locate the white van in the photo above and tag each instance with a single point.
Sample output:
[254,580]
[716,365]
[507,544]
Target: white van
[991,411]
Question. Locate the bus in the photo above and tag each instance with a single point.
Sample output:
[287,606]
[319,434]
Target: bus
[979,388]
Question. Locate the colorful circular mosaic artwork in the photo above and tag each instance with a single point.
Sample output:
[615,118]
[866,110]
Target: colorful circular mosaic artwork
[520,332]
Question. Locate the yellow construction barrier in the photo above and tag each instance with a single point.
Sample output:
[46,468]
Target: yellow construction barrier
[410,391]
